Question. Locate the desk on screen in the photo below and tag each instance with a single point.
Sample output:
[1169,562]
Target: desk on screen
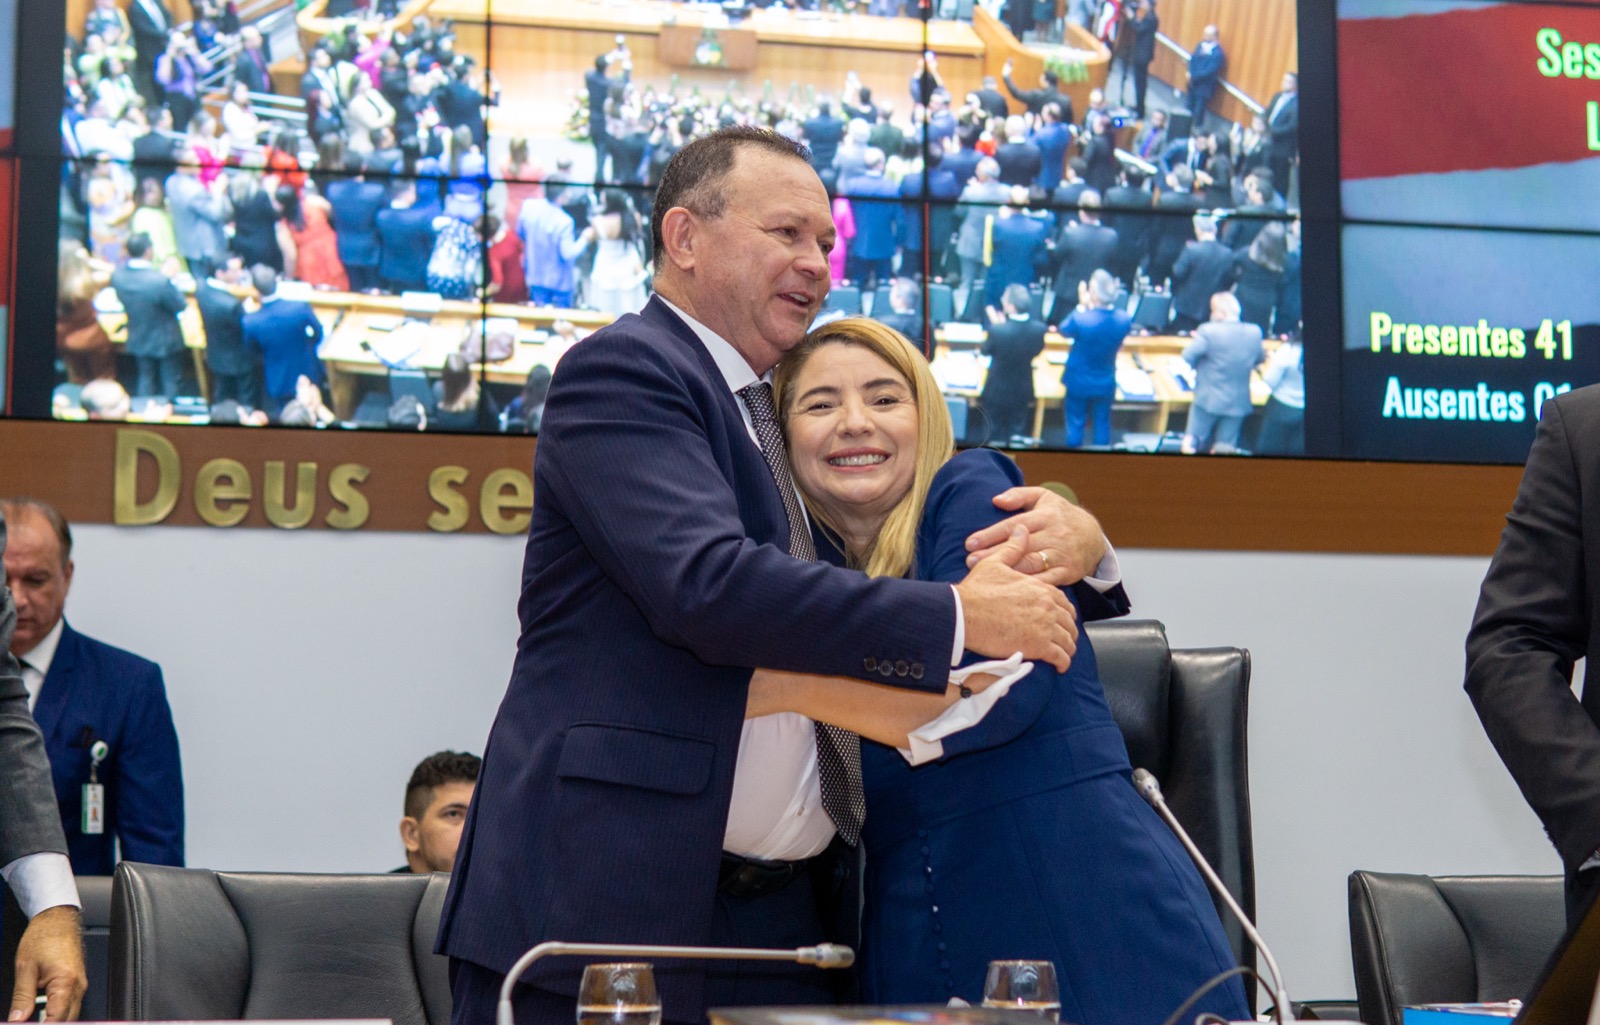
[1157,359]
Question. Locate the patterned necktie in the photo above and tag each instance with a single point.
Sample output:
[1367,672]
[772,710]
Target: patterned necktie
[838,751]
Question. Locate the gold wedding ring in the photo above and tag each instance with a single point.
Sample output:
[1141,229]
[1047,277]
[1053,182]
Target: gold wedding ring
[1044,557]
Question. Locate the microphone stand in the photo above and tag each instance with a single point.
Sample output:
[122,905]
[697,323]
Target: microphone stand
[1150,790]
[824,955]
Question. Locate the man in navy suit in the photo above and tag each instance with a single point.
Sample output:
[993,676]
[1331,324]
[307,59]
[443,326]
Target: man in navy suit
[103,711]
[1016,243]
[1014,340]
[356,203]
[1206,65]
[658,572]
[874,200]
[405,239]
[286,333]
[234,372]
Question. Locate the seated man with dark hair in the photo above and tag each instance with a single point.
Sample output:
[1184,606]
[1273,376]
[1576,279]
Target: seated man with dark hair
[436,808]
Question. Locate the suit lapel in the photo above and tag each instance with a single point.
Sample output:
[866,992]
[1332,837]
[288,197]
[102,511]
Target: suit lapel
[57,687]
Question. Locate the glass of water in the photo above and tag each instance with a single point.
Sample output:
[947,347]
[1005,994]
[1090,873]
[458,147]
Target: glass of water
[618,994]
[1029,985]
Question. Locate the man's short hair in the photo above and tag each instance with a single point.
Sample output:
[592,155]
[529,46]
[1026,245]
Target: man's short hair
[1017,297]
[264,278]
[1264,183]
[437,770]
[14,506]
[696,176]
[138,245]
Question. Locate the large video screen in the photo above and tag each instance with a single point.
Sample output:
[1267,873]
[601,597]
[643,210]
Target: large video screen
[1468,247]
[375,214]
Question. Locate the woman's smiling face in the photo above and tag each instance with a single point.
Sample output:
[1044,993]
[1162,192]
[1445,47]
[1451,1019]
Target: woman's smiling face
[852,430]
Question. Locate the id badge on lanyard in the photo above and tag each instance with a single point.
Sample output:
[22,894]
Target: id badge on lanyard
[94,794]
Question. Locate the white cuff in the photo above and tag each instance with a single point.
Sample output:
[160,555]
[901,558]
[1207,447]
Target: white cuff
[927,741]
[41,881]
[1108,573]
[1592,862]
[960,646]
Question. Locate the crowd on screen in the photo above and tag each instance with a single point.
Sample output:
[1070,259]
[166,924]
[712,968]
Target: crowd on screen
[386,183]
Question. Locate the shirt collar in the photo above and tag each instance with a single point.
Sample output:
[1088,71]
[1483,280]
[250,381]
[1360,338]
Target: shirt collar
[44,652]
[736,372]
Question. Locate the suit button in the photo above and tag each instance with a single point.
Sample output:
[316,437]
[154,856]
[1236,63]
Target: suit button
[869,663]
[885,668]
[942,948]
[902,668]
[916,670]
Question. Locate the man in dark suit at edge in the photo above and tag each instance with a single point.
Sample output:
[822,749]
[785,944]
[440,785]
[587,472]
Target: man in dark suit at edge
[33,852]
[613,811]
[1535,619]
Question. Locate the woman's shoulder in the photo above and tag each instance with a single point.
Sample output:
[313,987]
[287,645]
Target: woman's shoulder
[983,472]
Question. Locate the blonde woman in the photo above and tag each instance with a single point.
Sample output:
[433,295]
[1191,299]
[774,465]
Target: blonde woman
[1020,835]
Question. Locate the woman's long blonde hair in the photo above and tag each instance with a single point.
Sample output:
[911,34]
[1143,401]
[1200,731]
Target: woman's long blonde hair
[895,549]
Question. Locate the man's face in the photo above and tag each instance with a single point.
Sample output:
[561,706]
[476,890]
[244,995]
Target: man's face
[760,271]
[38,578]
[431,840]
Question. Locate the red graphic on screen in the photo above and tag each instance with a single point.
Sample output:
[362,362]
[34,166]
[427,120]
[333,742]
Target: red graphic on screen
[1461,91]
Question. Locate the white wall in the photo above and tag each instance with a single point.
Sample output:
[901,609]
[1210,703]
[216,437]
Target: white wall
[309,672]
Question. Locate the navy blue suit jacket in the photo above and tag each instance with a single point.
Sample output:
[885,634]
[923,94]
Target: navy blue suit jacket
[656,574]
[355,218]
[877,219]
[96,692]
[405,238]
[287,333]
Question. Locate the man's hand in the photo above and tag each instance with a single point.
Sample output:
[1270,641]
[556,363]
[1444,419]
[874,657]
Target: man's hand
[1065,543]
[50,958]
[1007,611]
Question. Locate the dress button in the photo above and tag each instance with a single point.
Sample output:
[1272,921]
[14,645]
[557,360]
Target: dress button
[916,670]
[902,668]
[869,663]
[926,852]
[929,870]
[942,948]
[885,668]
[935,909]
[944,965]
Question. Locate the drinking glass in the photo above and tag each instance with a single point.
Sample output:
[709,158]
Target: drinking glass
[1030,985]
[618,994]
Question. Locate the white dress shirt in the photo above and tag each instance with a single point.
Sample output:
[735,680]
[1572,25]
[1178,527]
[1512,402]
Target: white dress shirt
[36,663]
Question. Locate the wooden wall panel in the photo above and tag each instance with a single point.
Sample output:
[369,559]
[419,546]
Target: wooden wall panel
[1190,502]
[1259,36]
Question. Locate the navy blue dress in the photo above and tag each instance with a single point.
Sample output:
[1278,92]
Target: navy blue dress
[1027,840]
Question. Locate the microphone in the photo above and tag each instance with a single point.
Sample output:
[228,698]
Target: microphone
[823,955]
[1150,790]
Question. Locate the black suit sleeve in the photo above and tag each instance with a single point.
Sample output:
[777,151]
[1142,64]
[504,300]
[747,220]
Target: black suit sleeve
[1531,625]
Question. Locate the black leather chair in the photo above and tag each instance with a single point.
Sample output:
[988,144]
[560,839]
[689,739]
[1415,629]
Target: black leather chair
[1183,714]
[1425,939]
[193,944]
